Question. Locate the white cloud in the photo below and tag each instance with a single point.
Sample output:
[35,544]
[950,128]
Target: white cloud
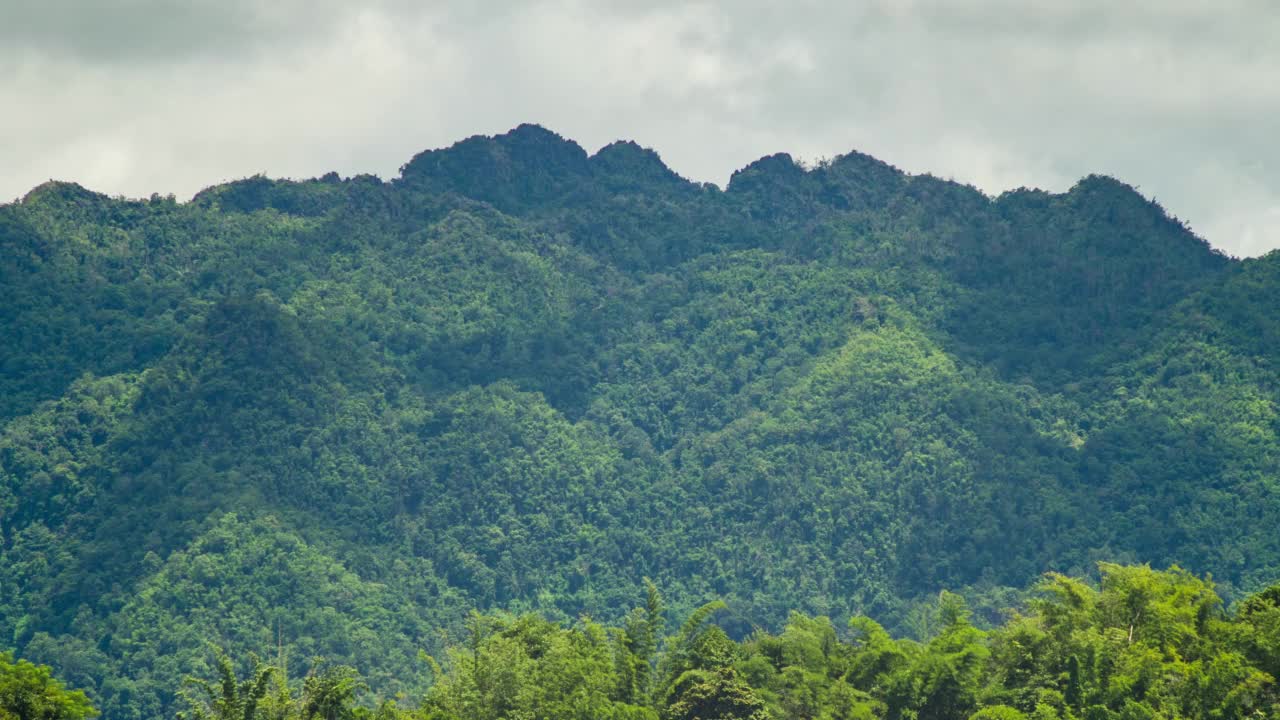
[140,96]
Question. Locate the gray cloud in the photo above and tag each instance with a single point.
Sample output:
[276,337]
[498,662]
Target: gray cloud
[1179,98]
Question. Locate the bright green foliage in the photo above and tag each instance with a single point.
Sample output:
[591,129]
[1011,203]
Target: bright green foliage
[998,712]
[1151,641]
[794,671]
[29,692]
[714,695]
[228,697]
[1144,644]
[327,418]
[528,667]
[1260,628]
[328,692]
[637,647]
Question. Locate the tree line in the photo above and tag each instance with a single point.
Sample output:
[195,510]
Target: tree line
[1141,644]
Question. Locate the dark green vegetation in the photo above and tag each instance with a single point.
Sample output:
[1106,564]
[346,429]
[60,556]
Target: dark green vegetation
[334,415]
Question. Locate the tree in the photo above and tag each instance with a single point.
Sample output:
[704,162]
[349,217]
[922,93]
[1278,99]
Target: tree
[718,694]
[30,692]
[329,692]
[942,678]
[227,698]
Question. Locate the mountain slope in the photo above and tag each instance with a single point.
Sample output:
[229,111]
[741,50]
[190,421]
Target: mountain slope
[525,376]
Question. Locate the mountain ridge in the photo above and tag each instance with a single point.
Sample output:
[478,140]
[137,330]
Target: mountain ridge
[531,141]
[507,382]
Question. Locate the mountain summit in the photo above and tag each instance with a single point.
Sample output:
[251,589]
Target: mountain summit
[328,417]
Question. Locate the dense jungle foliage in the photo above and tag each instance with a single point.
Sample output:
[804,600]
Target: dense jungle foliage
[329,418]
[1145,644]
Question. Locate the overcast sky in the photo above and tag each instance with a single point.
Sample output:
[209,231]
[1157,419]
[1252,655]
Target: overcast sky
[1180,98]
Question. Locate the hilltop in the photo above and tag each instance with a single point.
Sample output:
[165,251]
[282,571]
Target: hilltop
[335,414]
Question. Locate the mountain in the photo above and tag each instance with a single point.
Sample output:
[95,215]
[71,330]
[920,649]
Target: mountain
[329,417]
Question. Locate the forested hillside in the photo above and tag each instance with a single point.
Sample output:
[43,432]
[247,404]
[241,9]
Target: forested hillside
[330,417]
